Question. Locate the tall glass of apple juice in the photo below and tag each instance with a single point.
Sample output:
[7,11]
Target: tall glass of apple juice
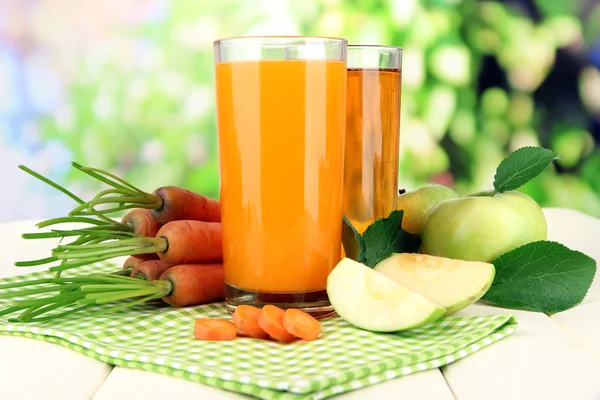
[281,105]
[372,133]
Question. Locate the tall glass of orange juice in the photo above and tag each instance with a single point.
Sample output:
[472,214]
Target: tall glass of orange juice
[372,133]
[281,104]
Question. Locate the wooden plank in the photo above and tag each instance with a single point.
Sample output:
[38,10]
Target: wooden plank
[583,323]
[144,385]
[33,369]
[539,361]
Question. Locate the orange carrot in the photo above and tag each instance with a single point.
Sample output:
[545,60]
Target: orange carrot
[245,318]
[131,262]
[270,319]
[179,204]
[177,242]
[191,242]
[150,270]
[214,329]
[301,324]
[194,284]
[141,222]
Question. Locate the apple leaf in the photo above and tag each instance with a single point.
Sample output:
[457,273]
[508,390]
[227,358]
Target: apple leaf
[353,242]
[521,166]
[385,236]
[541,276]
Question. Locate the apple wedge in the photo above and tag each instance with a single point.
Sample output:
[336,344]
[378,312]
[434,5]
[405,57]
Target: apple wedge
[453,284]
[369,300]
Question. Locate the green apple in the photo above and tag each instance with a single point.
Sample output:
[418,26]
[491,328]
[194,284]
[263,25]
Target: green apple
[418,203]
[369,300]
[452,284]
[482,227]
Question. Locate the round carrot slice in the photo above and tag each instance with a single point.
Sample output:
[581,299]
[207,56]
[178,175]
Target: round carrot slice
[301,324]
[245,318]
[270,319]
[214,329]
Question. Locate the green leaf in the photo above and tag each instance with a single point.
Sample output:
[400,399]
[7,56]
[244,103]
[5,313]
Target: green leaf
[541,276]
[385,236]
[521,166]
[353,242]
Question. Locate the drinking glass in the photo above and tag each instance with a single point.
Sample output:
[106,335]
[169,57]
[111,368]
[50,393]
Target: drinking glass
[372,133]
[281,104]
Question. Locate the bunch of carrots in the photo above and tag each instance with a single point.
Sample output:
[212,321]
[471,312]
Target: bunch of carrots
[173,239]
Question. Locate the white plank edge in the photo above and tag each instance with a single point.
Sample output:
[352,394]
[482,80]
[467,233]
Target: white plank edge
[134,384]
[539,361]
[33,369]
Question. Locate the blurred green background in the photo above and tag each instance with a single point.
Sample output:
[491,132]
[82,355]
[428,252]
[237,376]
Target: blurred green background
[128,86]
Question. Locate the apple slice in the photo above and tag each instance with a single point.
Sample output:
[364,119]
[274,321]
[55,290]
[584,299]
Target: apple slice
[371,301]
[453,284]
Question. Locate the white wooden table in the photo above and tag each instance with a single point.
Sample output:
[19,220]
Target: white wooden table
[547,358]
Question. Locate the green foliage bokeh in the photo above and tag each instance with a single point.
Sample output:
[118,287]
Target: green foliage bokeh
[142,106]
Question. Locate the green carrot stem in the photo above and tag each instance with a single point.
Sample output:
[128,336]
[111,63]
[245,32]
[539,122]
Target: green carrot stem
[11,310]
[41,308]
[27,292]
[112,278]
[35,262]
[124,242]
[32,282]
[102,298]
[86,239]
[62,220]
[51,183]
[117,229]
[65,265]
[97,176]
[74,296]
[124,272]
[26,283]
[120,199]
[122,286]
[105,254]
[134,202]
[47,235]
[110,191]
[150,206]
[58,187]
[34,311]
[107,289]
[54,316]
[114,233]
[125,247]
[128,305]
[116,178]
[73,254]
[69,265]
[28,311]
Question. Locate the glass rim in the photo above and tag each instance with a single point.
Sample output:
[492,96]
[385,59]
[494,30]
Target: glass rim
[375,47]
[283,38]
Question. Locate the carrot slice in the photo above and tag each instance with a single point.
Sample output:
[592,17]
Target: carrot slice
[214,329]
[270,319]
[245,318]
[301,324]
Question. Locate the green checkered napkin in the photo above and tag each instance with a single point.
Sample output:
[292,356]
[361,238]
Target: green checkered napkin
[160,339]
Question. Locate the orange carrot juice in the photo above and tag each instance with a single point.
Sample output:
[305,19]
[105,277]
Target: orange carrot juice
[281,132]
